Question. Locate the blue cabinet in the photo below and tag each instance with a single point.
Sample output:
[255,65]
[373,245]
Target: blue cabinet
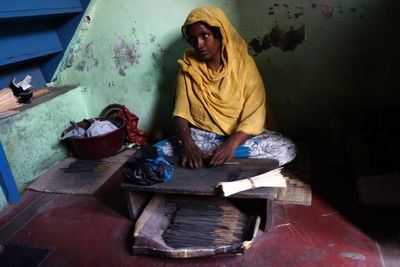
[20,42]
[34,35]
[31,8]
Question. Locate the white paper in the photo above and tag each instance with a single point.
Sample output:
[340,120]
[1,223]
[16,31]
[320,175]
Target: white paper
[25,84]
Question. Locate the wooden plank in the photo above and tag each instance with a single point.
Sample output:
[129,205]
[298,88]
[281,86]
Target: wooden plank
[202,181]
[266,222]
[136,201]
[152,221]
[56,180]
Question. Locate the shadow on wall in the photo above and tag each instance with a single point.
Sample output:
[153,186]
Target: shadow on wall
[348,61]
[161,125]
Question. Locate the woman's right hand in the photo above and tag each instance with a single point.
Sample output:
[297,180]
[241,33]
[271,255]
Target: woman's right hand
[192,156]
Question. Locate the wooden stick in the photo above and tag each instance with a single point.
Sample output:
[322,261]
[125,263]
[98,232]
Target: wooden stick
[8,99]
[40,92]
[272,178]
[11,101]
[8,102]
[231,163]
[5,91]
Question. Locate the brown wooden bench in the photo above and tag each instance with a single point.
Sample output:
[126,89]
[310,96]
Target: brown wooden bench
[202,182]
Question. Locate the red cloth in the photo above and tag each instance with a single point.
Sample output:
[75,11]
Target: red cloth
[133,133]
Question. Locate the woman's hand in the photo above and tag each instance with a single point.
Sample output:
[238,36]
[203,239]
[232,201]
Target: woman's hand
[192,155]
[222,153]
[226,151]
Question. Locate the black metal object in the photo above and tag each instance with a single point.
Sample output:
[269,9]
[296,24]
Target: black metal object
[23,95]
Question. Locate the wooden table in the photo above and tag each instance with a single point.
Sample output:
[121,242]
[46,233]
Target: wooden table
[202,182]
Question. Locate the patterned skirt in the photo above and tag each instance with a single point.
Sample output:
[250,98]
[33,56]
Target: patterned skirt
[268,144]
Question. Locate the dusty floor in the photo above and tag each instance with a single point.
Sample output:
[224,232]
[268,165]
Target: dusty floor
[94,230]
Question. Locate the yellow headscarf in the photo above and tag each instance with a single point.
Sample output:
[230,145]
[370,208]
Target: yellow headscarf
[229,99]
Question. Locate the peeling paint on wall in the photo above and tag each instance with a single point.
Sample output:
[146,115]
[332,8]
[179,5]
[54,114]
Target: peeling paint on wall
[70,55]
[358,10]
[162,50]
[278,38]
[327,10]
[155,56]
[87,19]
[295,12]
[299,11]
[88,60]
[126,55]
[313,4]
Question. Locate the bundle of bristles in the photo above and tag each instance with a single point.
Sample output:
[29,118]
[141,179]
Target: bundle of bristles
[203,225]
[93,166]
[8,102]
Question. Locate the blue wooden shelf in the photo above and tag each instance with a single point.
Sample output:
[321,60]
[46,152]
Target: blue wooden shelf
[24,41]
[36,30]
[31,8]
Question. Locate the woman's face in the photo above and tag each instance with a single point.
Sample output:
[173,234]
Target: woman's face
[204,42]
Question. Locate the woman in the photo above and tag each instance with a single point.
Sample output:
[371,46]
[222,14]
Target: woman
[220,105]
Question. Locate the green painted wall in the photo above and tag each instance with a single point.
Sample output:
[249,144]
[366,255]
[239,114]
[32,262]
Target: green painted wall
[125,52]
[348,60]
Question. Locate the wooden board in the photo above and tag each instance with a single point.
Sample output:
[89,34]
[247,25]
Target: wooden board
[202,181]
[56,180]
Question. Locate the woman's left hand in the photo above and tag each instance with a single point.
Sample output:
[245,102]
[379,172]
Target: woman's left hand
[222,153]
[226,151]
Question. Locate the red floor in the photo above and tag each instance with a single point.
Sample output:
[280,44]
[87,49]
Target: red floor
[95,231]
